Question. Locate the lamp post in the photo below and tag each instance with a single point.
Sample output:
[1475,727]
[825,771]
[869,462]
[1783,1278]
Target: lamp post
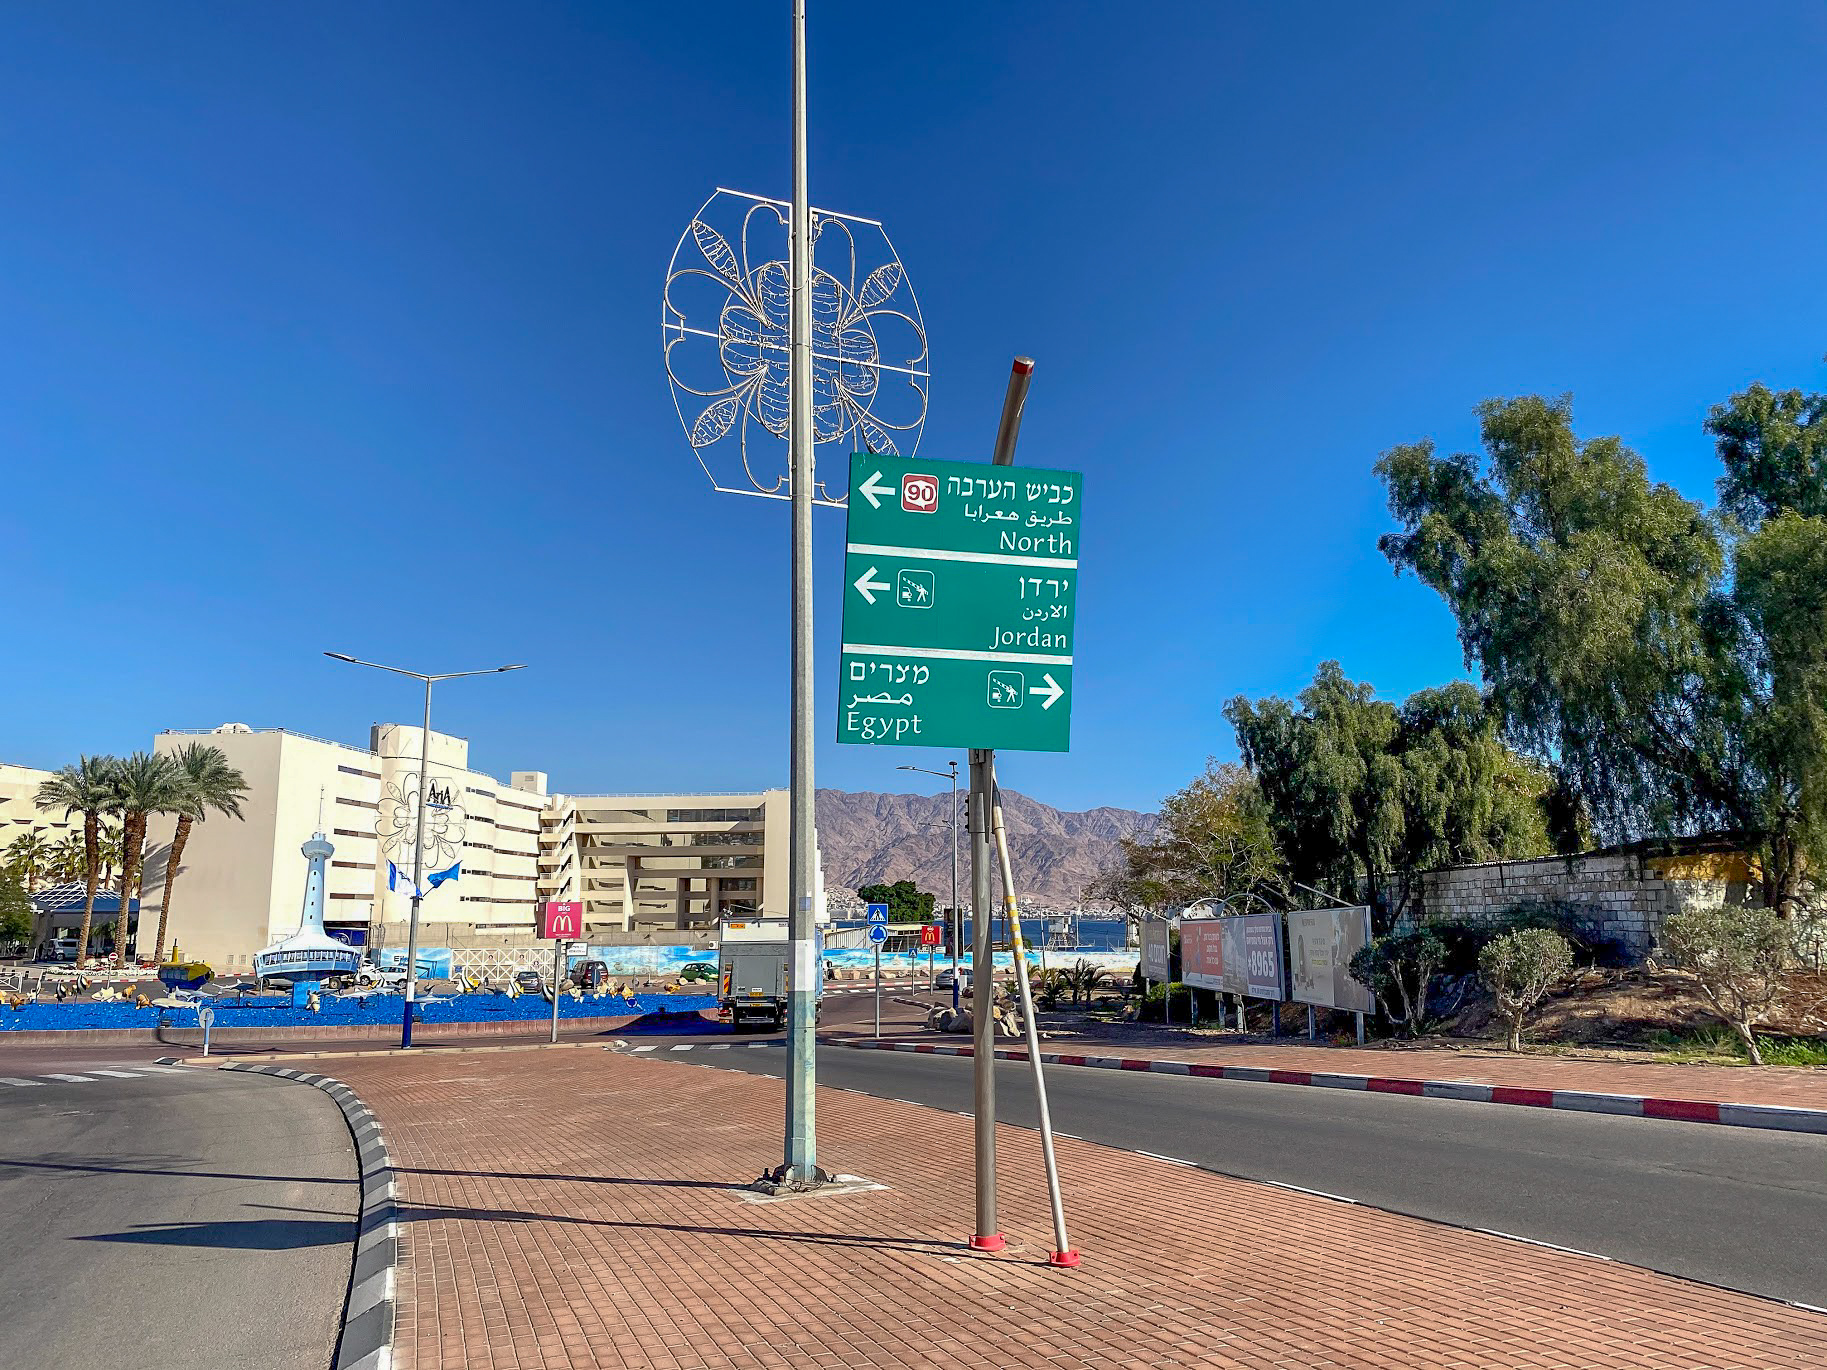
[418,839]
[953,921]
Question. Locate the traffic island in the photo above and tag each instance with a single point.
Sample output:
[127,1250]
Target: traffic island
[578,1208]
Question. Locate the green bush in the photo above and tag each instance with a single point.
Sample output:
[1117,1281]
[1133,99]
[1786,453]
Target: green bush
[1181,1004]
[1399,968]
[1519,968]
[1738,955]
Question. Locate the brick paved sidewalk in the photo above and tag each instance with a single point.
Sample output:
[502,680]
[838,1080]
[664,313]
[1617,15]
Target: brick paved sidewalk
[575,1209]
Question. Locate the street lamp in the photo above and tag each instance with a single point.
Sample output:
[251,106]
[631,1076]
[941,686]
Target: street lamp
[418,840]
[954,920]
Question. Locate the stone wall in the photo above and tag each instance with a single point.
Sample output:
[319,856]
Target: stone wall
[1621,896]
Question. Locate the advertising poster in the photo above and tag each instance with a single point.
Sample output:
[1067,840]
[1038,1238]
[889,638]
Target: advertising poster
[1323,942]
[1202,952]
[1155,959]
[1256,969]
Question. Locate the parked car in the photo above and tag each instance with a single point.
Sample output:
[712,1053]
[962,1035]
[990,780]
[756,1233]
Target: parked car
[530,982]
[943,980]
[590,975]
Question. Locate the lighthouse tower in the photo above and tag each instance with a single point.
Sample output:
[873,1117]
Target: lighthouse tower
[309,955]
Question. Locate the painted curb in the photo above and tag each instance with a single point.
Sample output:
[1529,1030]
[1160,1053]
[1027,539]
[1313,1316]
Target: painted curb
[1768,1116]
[366,1342]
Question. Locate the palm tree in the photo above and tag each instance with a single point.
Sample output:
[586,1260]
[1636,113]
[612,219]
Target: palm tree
[145,783]
[84,788]
[208,782]
[109,849]
[69,857]
[29,854]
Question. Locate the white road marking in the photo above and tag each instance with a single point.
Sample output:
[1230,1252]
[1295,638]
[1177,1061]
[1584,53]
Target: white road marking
[1316,1193]
[1171,1160]
[164,1070]
[8,1080]
[1530,1241]
[647,1048]
[684,1046]
[73,1079]
[117,1074]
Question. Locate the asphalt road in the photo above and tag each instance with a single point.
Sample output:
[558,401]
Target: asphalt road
[187,1218]
[1732,1206]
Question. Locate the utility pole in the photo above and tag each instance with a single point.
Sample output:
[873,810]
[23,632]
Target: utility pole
[955,924]
[801,1164]
[983,977]
[418,840]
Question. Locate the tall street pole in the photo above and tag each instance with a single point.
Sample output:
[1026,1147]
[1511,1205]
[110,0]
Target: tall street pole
[418,838]
[955,922]
[801,1165]
[983,977]
[418,876]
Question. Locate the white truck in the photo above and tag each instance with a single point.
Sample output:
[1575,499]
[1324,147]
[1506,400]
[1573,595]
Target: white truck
[753,973]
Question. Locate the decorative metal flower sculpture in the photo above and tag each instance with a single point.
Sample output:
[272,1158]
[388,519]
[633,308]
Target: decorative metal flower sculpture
[724,325]
[397,826]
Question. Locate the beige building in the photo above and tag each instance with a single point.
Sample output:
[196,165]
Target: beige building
[648,867]
[19,811]
[242,880]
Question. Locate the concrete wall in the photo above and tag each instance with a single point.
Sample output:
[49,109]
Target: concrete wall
[1624,897]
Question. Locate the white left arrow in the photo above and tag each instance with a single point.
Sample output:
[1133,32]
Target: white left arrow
[866,587]
[1050,692]
[873,492]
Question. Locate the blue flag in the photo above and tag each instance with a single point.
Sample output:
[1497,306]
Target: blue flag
[399,882]
[451,872]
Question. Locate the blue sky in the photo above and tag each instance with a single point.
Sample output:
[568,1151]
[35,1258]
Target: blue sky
[335,327]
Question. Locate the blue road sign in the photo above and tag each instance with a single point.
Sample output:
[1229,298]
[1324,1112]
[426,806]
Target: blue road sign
[878,932]
[878,915]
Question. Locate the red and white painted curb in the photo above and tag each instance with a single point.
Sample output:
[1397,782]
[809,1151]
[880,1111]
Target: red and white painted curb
[1776,1117]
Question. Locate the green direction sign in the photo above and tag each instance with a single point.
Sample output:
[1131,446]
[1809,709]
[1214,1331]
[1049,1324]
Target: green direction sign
[960,603]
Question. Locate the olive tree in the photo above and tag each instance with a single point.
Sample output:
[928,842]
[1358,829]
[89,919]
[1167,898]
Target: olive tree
[1738,955]
[1519,968]
[1399,969]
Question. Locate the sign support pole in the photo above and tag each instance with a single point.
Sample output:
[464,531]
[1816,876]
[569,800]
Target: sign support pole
[983,967]
[878,989]
[558,974]
[1063,1254]
[983,1018]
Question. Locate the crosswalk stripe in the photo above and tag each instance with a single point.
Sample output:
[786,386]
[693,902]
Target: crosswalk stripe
[73,1079]
[8,1080]
[164,1070]
[117,1074]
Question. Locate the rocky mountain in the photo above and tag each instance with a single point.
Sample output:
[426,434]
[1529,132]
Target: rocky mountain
[870,838]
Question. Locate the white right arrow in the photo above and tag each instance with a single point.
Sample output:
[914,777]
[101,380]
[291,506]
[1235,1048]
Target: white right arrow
[864,585]
[1052,691]
[873,493]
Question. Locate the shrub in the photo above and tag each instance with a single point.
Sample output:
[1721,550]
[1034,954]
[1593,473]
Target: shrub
[1737,955]
[1399,968]
[1157,996]
[1520,968]
[1582,933]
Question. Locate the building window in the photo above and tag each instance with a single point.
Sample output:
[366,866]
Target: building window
[714,815]
[354,770]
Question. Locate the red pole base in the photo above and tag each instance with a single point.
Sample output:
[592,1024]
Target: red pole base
[1068,1259]
[994,1242]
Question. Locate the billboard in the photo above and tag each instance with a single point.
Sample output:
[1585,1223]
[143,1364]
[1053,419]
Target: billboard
[1323,942]
[1155,960]
[561,918]
[1238,955]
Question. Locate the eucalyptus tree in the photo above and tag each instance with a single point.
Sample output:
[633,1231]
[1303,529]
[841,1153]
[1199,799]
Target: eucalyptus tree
[1670,662]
